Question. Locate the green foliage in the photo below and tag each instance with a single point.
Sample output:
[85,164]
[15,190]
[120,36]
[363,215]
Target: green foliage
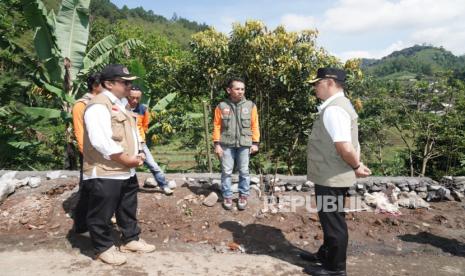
[275,65]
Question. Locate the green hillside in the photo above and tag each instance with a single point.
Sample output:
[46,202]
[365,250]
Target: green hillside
[103,12]
[414,61]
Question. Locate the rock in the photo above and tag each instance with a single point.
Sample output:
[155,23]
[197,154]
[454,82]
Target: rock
[53,175]
[432,195]
[255,180]
[445,193]
[235,188]
[210,200]
[434,187]
[216,184]
[7,185]
[298,188]
[380,201]
[411,200]
[289,187]
[423,195]
[172,184]
[309,184]
[257,190]
[34,182]
[457,195]
[150,183]
[375,188]
[277,189]
[352,192]
[360,187]
[405,189]
[421,189]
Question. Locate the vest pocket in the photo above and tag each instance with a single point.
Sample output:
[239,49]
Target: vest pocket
[117,127]
[225,121]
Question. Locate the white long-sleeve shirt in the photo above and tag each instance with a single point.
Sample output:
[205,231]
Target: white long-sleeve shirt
[98,124]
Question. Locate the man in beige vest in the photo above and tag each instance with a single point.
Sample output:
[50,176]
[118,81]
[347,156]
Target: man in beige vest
[111,152]
[333,163]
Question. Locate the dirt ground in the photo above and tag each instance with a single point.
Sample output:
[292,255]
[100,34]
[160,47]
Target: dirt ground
[193,239]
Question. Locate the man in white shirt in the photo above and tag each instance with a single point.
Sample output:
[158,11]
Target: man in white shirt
[111,154]
[333,163]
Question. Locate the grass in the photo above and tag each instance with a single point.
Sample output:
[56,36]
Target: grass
[174,157]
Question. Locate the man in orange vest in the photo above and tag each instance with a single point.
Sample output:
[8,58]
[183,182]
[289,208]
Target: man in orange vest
[94,88]
[236,136]
[143,119]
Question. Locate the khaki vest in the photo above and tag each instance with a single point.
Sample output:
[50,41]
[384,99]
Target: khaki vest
[324,165]
[122,126]
[86,98]
[236,128]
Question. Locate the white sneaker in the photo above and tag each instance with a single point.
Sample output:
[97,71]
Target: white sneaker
[137,246]
[112,256]
[172,184]
[167,191]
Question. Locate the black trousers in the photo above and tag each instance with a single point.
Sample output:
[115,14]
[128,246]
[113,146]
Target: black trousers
[105,198]
[80,211]
[330,203]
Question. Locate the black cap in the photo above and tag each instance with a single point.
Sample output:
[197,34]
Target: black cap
[136,88]
[330,73]
[115,71]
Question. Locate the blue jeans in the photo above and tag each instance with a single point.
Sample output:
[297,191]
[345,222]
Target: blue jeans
[153,167]
[240,157]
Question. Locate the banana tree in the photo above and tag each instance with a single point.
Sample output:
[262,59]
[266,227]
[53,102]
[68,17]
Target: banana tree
[60,42]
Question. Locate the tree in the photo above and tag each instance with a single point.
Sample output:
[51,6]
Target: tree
[60,44]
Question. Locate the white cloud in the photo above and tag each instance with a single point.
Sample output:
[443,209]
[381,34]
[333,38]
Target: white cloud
[398,45]
[294,22]
[452,38]
[351,16]
[225,24]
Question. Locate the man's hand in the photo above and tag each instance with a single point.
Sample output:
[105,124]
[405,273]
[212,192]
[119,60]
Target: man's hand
[126,160]
[219,151]
[362,171]
[253,149]
[142,156]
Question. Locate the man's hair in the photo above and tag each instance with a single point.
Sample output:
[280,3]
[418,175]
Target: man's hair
[93,79]
[339,84]
[233,79]
[136,88]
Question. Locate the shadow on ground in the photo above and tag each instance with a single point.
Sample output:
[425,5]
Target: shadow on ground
[447,245]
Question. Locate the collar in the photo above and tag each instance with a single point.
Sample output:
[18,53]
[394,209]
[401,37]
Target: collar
[329,100]
[114,99]
[243,100]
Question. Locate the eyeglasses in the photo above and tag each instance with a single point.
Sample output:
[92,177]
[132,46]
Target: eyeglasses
[125,82]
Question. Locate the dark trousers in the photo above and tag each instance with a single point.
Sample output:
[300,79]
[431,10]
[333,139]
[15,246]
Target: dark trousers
[333,252]
[105,198]
[80,211]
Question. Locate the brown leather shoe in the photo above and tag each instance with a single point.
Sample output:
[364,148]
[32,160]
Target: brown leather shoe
[139,246]
[112,256]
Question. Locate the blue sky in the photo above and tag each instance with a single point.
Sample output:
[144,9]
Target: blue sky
[348,28]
